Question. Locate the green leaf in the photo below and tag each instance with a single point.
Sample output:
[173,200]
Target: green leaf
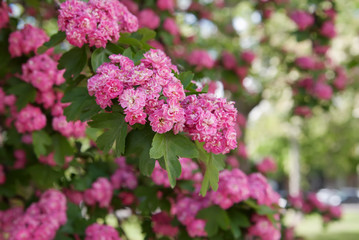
[170,147]
[83,106]
[147,34]
[214,163]
[238,220]
[73,61]
[62,148]
[24,92]
[44,176]
[133,42]
[215,218]
[117,131]
[41,140]
[101,55]
[186,78]
[148,199]
[55,39]
[138,142]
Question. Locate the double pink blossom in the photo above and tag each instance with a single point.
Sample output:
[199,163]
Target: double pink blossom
[95,22]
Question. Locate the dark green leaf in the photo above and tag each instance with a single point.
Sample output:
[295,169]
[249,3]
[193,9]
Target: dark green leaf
[83,106]
[101,55]
[148,199]
[215,218]
[147,34]
[186,78]
[139,142]
[24,92]
[44,176]
[55,39]
[117,131]
[170,147]
[62,148]
[73,61]
[41,140]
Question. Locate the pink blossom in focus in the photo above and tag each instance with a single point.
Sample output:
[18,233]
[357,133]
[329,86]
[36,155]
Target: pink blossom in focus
[95,22]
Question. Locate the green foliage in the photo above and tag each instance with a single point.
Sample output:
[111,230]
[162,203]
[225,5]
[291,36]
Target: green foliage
[117,131]
[55,39]
[62,148]
[170,147]
[186,78]
[139,142]
[148,199]
[44,176]
[83,106]
[215,218]
[214,163]
[73,61]
[100,55]
[41,141]
[24,92]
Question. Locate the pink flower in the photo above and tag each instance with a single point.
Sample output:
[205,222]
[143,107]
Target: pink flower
[335,212]
[162,225]
[20,159]
[148,18]
[95,22]
[100,192]
[2,175]
[4,14]
[232,188]
[166,5]
[201,59]
[267,165]
[264,229]
[30,119]
[322,91]
[124,176]
[97,231]
[302,19]
[306,63]
[248,56]
[170,26]
[341,79]
[328,30]
[261,191]
[229,60]
[303,111]
[26,40]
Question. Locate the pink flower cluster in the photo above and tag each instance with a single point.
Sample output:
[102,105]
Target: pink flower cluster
[248,57]
[4,14]
[160,176]
[124,176]
[2,175]
[20,159]
[229,61]
[319,89]
[303,19]
[100,192]
[267,165]
[26,40]
[232,188]
[139,90]
[186,209]
[149,19]
[95,22]
[40,221]
[166,5]
[50,160]
[42,73]
[30,119]
[97,231]
[74,129]
[261,191]
[201,59]
[162,225]
[211,120]
[328,29]
[264,229]
[308,63]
